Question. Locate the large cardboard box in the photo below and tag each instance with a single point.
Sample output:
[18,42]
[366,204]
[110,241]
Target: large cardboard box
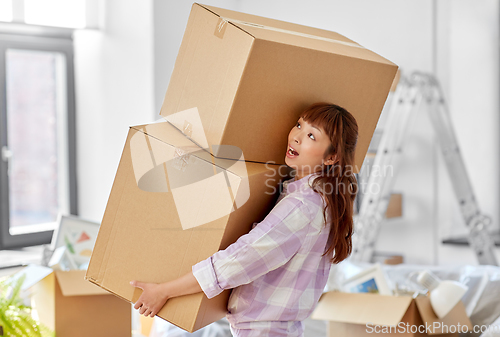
[366,314]
[250,77]
[172,205]
[73,307]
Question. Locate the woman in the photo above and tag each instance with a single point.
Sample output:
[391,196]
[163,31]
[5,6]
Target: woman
[279,269]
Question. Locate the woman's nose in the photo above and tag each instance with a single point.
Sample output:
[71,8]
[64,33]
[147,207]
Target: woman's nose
[295,136]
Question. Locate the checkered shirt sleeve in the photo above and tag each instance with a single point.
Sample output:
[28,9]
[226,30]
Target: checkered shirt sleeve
[269,245]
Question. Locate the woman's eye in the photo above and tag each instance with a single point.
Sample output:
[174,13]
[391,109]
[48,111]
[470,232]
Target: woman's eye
[311,136]
[298,125]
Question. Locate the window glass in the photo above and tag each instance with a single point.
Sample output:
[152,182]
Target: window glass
[6,10]
[60,13]
[35,107]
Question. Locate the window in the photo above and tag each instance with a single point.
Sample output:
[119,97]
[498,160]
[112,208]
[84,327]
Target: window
[54,13]
[37,137]
[60,13]
[6,10]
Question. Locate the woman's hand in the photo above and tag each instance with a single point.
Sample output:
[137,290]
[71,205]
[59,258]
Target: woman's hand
[153,297]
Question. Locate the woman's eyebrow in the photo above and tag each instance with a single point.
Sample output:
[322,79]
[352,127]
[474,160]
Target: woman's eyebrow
[311,125]
[316,128]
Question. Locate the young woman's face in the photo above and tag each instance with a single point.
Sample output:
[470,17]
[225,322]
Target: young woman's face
[306,147]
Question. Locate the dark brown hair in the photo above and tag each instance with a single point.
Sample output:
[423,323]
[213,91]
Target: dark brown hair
[336,183]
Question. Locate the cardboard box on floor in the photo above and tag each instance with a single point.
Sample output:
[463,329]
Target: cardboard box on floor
[171,206]
[365,314]
[250,77]
[73,307]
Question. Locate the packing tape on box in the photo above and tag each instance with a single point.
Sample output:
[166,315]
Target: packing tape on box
[187,129]
[222,23]
[149,158]
[181,159]
[220,29]
[189,123]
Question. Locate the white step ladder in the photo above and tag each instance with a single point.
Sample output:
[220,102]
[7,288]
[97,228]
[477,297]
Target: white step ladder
[410,94]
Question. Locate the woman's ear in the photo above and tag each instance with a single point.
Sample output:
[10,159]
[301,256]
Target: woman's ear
[330,160]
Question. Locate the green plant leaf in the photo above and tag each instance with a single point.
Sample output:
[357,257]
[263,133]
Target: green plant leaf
[15,316]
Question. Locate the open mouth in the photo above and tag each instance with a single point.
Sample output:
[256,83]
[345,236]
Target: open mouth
[291,152]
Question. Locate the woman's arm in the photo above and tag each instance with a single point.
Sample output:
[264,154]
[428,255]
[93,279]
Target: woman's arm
[155,295]
[271,244]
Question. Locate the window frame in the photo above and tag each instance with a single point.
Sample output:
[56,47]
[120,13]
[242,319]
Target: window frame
[60,41]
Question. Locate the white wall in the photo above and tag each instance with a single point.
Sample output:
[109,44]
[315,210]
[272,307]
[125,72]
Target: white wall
[123,73]
[466,63]
[474,104]
[114,89]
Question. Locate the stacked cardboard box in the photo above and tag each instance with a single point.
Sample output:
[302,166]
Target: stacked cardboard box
[190,186]
[250,77]
[172,205]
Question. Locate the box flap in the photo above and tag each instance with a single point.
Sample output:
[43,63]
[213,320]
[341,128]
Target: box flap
[169,134]
[34,274]
[456,315]
[73,283]
[165,160]
[361,308]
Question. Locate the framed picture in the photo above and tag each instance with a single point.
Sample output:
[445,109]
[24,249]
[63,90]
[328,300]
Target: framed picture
[62,260]
[77,235]
[371,280]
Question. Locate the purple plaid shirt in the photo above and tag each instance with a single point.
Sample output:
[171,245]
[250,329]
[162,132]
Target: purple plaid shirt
[277,270]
